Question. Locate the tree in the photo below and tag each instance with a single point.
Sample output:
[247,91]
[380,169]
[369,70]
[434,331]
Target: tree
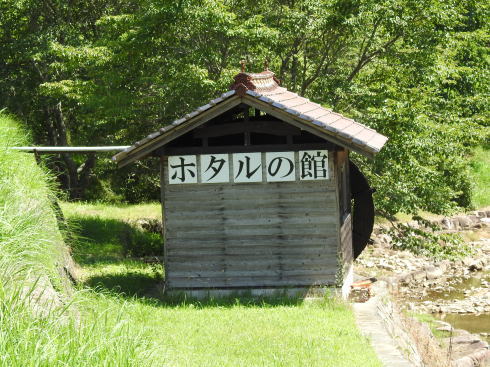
[29,34]
[415,71]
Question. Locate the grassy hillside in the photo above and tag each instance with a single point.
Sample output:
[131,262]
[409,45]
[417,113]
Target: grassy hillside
[31,241]
[37,332]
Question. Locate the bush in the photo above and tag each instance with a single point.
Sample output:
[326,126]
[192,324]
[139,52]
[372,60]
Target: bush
[427,241]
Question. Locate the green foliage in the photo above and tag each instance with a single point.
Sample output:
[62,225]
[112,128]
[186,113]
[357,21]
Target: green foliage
[109,72]
[480,174]
[426,240]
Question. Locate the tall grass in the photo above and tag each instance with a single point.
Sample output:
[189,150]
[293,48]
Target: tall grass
[29,236]
[65,333]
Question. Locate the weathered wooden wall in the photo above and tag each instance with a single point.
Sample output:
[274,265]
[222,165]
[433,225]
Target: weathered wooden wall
[251,235]
[346,256]
[343,183]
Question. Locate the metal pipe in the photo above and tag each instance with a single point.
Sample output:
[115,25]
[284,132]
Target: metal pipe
[45,150]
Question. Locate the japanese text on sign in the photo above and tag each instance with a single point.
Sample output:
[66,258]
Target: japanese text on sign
[248,167]
[314,165]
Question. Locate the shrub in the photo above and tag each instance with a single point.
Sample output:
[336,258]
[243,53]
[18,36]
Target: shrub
[426,240]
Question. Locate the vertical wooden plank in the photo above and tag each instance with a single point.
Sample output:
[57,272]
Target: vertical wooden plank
[264,168]
[163,163]
[334,161]
[231,169]
[246,114]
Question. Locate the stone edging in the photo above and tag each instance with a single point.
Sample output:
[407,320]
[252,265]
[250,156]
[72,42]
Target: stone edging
[413,340]
[393,322]
[377,321]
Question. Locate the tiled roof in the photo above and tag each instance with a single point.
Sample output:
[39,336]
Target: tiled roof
[265,87]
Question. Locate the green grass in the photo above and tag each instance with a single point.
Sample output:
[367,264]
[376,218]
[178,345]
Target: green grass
[280,333]
[117,317]
[76,333]
[124,277]
[431,321]
[122,212]
[102,232]
[226,332]
[480,172]
[107,244]
[99,238]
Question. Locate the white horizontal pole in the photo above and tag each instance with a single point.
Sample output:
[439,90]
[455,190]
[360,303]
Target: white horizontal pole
[71,149]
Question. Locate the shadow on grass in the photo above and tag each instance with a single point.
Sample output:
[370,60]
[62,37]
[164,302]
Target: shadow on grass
[94,239]
[143,283]
[107,250]
[243,299]
[125,278]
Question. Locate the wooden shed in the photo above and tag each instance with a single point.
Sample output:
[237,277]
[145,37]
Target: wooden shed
[256,191]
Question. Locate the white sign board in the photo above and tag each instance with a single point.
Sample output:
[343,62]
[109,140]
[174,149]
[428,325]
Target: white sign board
[215,168]
[280,166]
[247,167]
[313,165]
[182,169]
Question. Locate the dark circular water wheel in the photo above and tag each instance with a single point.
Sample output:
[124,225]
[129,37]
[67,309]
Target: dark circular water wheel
[362,211]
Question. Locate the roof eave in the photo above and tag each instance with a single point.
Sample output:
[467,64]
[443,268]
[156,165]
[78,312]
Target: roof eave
[308,124]
[154,141]
[229,100]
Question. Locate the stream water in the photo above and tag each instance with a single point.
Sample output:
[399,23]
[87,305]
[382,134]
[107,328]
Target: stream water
[459,289]
[474,323]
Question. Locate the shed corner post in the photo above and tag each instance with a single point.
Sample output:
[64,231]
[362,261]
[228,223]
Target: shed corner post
[345,270]
[164,227]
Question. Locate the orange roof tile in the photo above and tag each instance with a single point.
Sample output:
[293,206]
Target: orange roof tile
[266,87]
